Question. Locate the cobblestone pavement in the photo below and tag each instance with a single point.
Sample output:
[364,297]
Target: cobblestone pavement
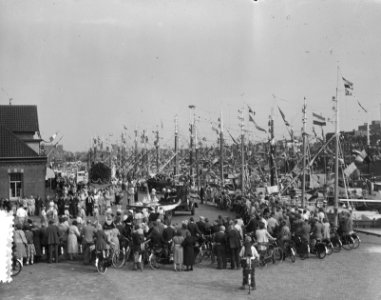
[346,275]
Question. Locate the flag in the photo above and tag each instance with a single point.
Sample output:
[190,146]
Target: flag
[235,142]
[53,137]
[318,120]
[360,156]
[255,124]
[362,107]
[214,129]
[283,117]
[350,169]
[348,87]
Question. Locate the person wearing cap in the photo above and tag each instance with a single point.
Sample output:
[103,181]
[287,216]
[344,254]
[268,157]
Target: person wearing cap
[153,196]
[193,228]
[138,247]
[201,225]
[234,244]
[88,234]
[248,254]
[52,240]
[219,249]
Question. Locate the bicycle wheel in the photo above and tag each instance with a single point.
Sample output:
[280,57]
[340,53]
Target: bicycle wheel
[101,266]
[337,245]
[278,254]
[348,243]
[199,257]
[321,252]
[329,246]
[152,261]
[249,280]
[292,254]
[118,259]
[16,267]
[356,242]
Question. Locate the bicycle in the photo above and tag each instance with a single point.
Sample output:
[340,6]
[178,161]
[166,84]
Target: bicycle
[289,250]
[249,268]
[205,250]
[17,266]
[119,258]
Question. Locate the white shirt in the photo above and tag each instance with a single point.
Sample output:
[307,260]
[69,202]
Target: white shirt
[253,251]
[21,212]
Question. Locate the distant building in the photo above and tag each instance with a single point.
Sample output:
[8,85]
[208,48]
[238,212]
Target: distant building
[22,166]
[55,154]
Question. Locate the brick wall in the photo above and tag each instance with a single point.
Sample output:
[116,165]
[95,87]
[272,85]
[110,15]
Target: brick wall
[33,178]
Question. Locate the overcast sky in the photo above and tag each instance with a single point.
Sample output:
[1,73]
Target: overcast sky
[93,66]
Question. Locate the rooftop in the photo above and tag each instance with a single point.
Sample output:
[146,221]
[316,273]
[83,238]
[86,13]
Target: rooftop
[19,118]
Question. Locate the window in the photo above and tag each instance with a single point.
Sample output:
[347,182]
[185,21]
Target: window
[15,185]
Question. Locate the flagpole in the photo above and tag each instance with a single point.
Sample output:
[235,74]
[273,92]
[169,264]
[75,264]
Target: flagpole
[242,154]
[304,151]
[336,198]
[176,144]
[221,151]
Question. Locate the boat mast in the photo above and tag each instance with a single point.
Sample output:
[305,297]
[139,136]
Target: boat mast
[304,151]
[176,143]
[221,151]
[336,198]
[136,151]
[272,150]
[242,154]
[191,128]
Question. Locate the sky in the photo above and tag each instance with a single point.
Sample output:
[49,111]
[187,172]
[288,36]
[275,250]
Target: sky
[95,67]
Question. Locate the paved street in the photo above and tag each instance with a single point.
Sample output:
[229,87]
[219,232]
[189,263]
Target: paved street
[347,275]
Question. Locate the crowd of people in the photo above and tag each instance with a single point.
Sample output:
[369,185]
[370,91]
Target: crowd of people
[70,228]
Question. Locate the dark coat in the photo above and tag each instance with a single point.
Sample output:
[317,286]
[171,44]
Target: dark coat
[188,245]
[137,240]
[52,235]
[202,227]
[37,237]
[305,231]
[168,233]
[193,228]
[233,237]
[101,240]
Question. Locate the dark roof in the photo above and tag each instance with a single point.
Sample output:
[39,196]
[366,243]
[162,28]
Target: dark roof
[12,146]
[19,118]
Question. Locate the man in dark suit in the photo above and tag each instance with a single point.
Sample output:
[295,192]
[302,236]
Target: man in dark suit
[234,243]
[193,228]
[53,241]
[220,247]
[201,225]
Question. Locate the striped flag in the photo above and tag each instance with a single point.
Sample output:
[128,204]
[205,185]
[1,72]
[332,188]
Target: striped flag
[283,117]
[251,119]
[348,87]
[362,107]
[235,142]
[318,120]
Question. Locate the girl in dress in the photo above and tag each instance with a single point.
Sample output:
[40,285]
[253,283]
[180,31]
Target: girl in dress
[20,242]
[178,251]
[72,240]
